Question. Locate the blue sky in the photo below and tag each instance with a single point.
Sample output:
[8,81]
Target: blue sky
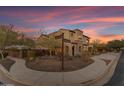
[100,22]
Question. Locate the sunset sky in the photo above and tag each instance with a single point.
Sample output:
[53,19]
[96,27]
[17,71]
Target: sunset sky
[104,23]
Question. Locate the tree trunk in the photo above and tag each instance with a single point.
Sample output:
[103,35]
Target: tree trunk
[1,54]
[50,52]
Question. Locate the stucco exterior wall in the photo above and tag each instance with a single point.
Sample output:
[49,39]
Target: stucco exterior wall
[75,41]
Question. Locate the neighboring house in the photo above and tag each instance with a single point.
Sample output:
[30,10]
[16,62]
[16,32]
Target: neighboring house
[75,42]
[38,41]
[39,48]
[17,50]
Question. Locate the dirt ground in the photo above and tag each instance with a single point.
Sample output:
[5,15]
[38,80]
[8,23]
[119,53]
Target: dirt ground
[55,65]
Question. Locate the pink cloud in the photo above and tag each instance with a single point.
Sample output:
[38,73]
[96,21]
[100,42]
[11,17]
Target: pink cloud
[42,18]
[93,30]
[58,12]
[107,38]
[26,30]
[104,19]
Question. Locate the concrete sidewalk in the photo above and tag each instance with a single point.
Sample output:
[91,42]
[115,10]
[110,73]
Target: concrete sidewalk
[32,77]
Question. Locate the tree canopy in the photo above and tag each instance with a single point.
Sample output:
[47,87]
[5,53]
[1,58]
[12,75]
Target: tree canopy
[115,44]
[8,36]
[48,42]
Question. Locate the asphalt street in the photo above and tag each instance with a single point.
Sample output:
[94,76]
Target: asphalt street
[118,77]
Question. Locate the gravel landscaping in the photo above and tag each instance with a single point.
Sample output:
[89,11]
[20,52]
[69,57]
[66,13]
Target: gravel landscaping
[7,63]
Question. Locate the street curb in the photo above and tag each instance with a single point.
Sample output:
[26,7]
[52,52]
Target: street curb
[9,79]
[101,80]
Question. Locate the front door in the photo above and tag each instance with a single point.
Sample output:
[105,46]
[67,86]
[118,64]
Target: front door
[73,51]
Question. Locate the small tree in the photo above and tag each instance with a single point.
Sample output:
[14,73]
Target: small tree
[23,40]
[95,44]
[49,42]
[115,45]
[7,35]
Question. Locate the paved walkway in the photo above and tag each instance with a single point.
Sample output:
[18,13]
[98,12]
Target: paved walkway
[32,77]
[118,77]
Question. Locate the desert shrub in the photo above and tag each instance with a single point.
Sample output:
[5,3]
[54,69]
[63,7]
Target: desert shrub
[86,56]
[77,56]
[31,55]
[68,58]
[0,56]
[5,54]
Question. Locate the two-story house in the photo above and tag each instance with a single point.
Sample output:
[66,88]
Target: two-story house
[75,42]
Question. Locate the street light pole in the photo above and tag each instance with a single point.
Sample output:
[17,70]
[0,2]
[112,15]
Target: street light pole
[62,51]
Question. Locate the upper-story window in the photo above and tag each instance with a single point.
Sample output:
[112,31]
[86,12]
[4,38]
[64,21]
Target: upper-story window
[72,34]
[79,37]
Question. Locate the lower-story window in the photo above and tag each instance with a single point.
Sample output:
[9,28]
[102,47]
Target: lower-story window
[66,50]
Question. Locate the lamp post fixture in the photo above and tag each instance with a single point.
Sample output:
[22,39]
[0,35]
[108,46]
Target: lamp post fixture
[61,36]
[62,51]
